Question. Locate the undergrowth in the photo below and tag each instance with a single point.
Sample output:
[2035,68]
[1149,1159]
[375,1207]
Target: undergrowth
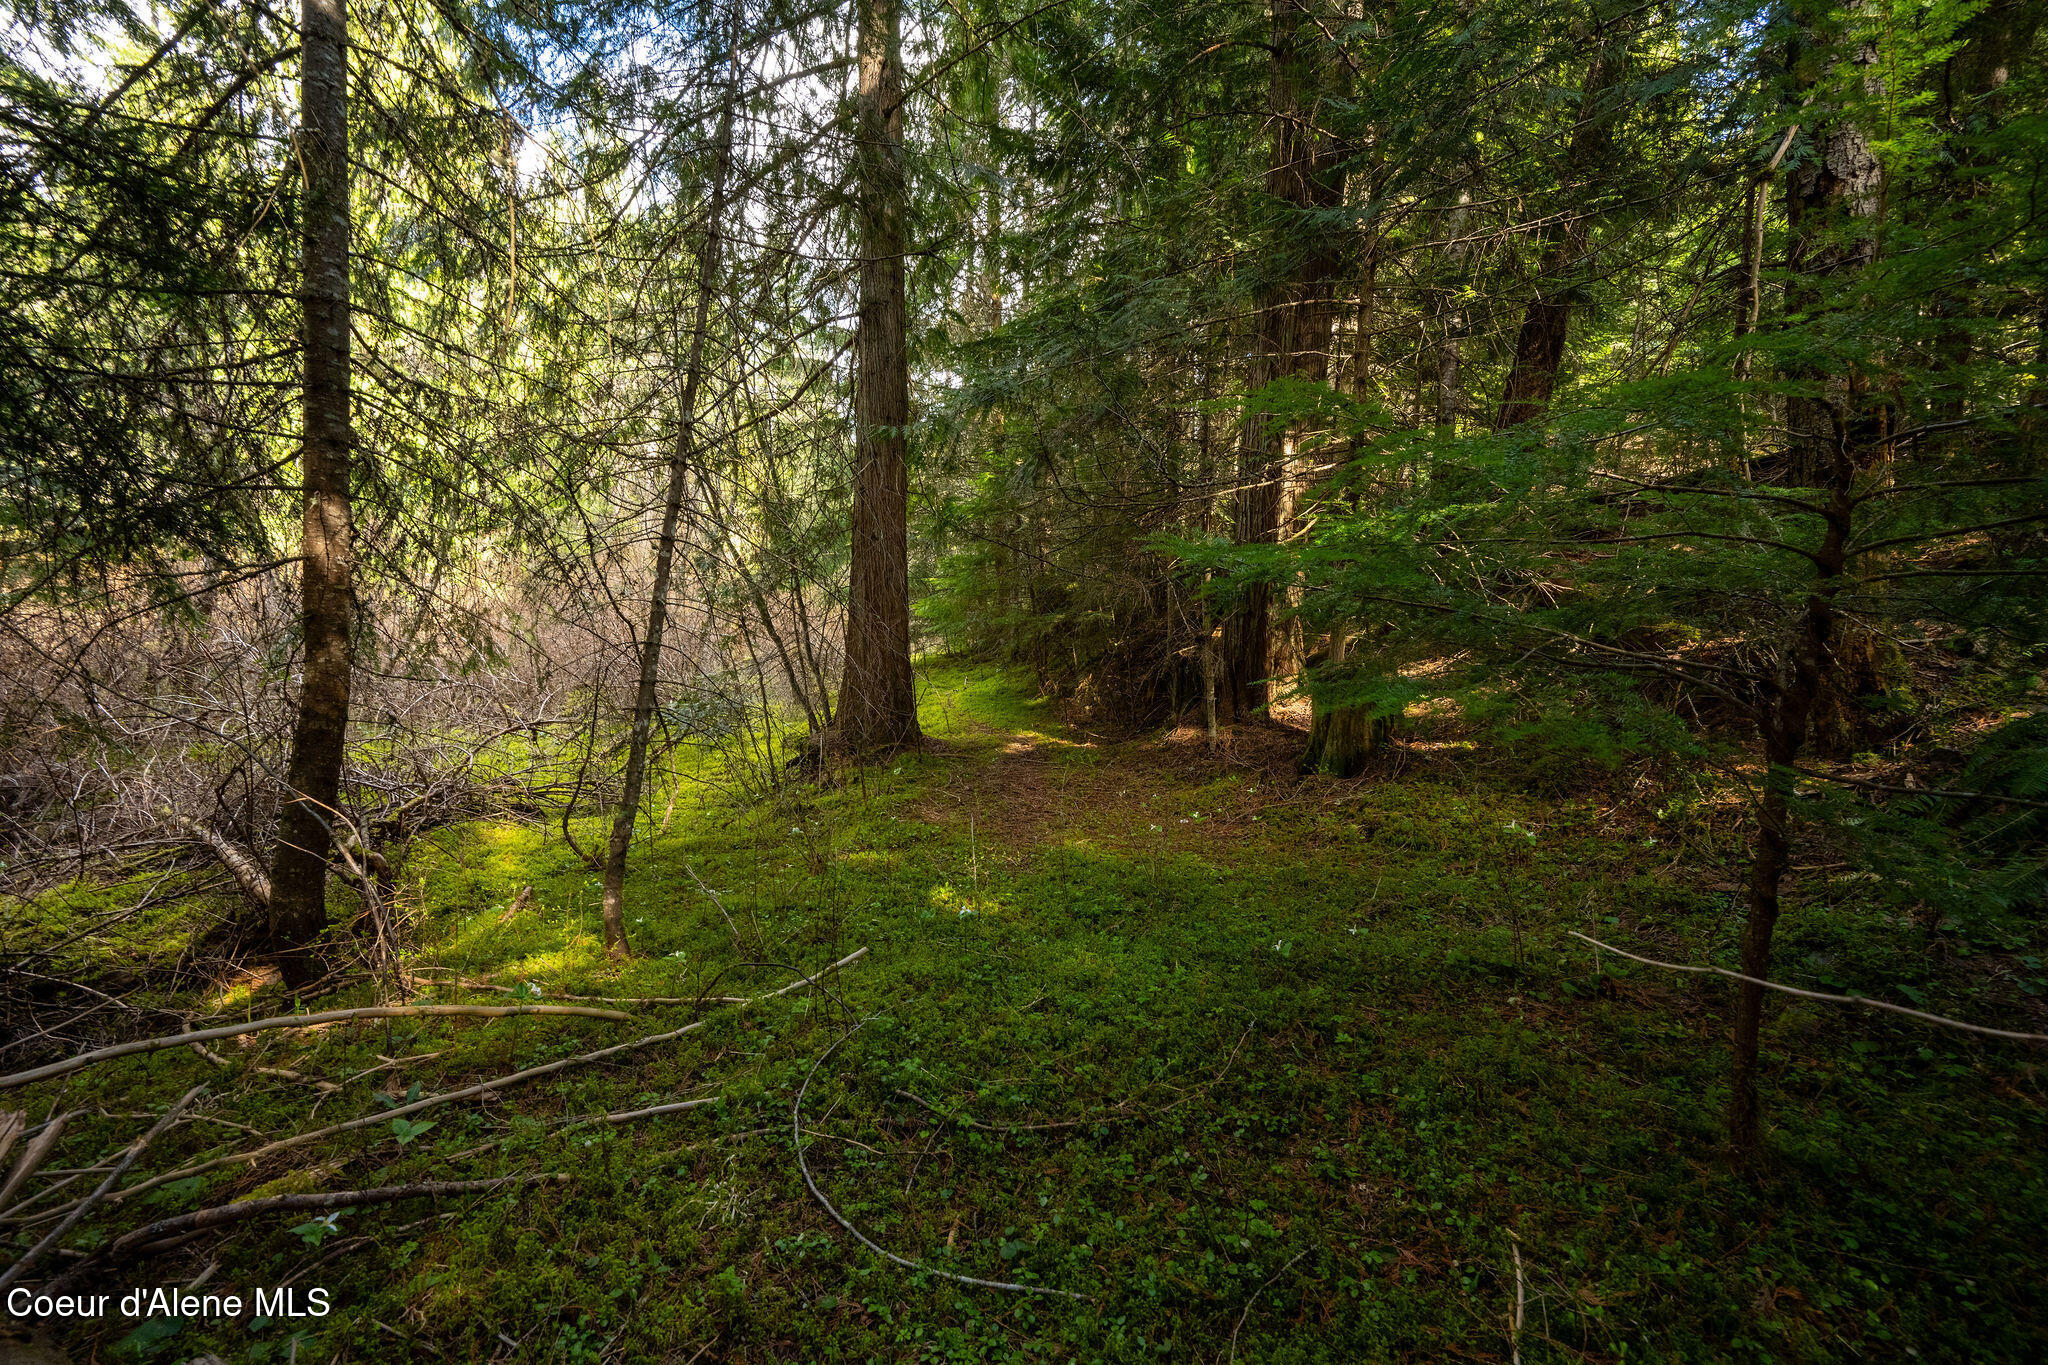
[1262,1068]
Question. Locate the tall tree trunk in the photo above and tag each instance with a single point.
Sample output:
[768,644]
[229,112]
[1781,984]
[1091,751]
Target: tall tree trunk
[1292,337]
[1832,192]
[305,838]
[682,453]
[877,694]
[1546,322]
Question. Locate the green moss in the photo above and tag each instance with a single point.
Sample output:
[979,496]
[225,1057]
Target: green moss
[1317,1056]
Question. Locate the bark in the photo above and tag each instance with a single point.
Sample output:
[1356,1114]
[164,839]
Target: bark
[1831,194]
[1292,338]
[1341,738]
[246,871]
[682,454]
[298,876]
[1546,322]
[877,696]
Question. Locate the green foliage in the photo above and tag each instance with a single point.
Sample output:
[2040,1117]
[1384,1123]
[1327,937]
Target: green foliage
[1309,1050]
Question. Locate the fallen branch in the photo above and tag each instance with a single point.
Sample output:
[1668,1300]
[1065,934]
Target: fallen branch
[105,1054]
[139,1242]
[518,903]
[472,984]
[241,865]
[1248,1303]
[85,1205]
[32,1158]
[1864,1000]
[796,1119]
[628,1115]
[485,1087]
[954,1116]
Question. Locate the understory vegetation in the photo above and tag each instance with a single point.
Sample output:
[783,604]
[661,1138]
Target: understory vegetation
[1100,680]
[1287,1068]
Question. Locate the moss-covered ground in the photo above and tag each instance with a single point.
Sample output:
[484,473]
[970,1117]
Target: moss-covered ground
[1261,1068]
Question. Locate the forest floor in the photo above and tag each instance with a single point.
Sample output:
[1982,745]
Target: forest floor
[1260,1067]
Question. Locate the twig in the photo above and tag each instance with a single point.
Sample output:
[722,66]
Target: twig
[955,1116]
[13,1123]
[85,1205]
[1515,1326]
[105,1054]
[1255,1297]
[796,1119]
[622,1116]
[1865,1000]
[469,983]
[717,902]
[518,903]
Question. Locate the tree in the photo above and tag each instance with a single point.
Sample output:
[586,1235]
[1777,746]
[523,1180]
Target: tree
[684,453]
[306,826]
[1291,329]
[877,693]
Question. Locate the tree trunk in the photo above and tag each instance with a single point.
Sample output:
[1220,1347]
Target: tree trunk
[1341,738]
[1835,188]
[1546,322]
[877,694]
[681,455]
[305,838]
[1782,721]
[1292,337]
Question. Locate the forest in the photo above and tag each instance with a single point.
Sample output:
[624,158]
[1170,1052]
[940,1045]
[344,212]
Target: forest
[1023,680]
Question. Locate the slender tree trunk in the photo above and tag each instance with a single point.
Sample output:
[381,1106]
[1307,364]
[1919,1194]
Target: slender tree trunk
[298,876]
[682,453]
[1782,721]
[797,689]
[1546,322]
[877,693]
[1292,336]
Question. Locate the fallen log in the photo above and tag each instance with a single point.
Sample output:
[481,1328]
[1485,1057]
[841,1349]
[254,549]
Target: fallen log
[240,863]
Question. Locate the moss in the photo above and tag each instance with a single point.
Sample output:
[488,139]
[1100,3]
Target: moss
[1223,1050]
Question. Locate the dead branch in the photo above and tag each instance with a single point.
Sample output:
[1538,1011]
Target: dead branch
[140,1242]
[485,1087]
[1863,1000]
[796,1119]
[240,863]
[69,1065]
[32,1158]
[85,1205]
[13,1123]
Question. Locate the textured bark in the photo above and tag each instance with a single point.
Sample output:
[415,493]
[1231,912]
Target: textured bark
[877,696]
[1341,738]
[682,454]
[1292,338]
[298,876]
[1546,322]
[1831,192]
